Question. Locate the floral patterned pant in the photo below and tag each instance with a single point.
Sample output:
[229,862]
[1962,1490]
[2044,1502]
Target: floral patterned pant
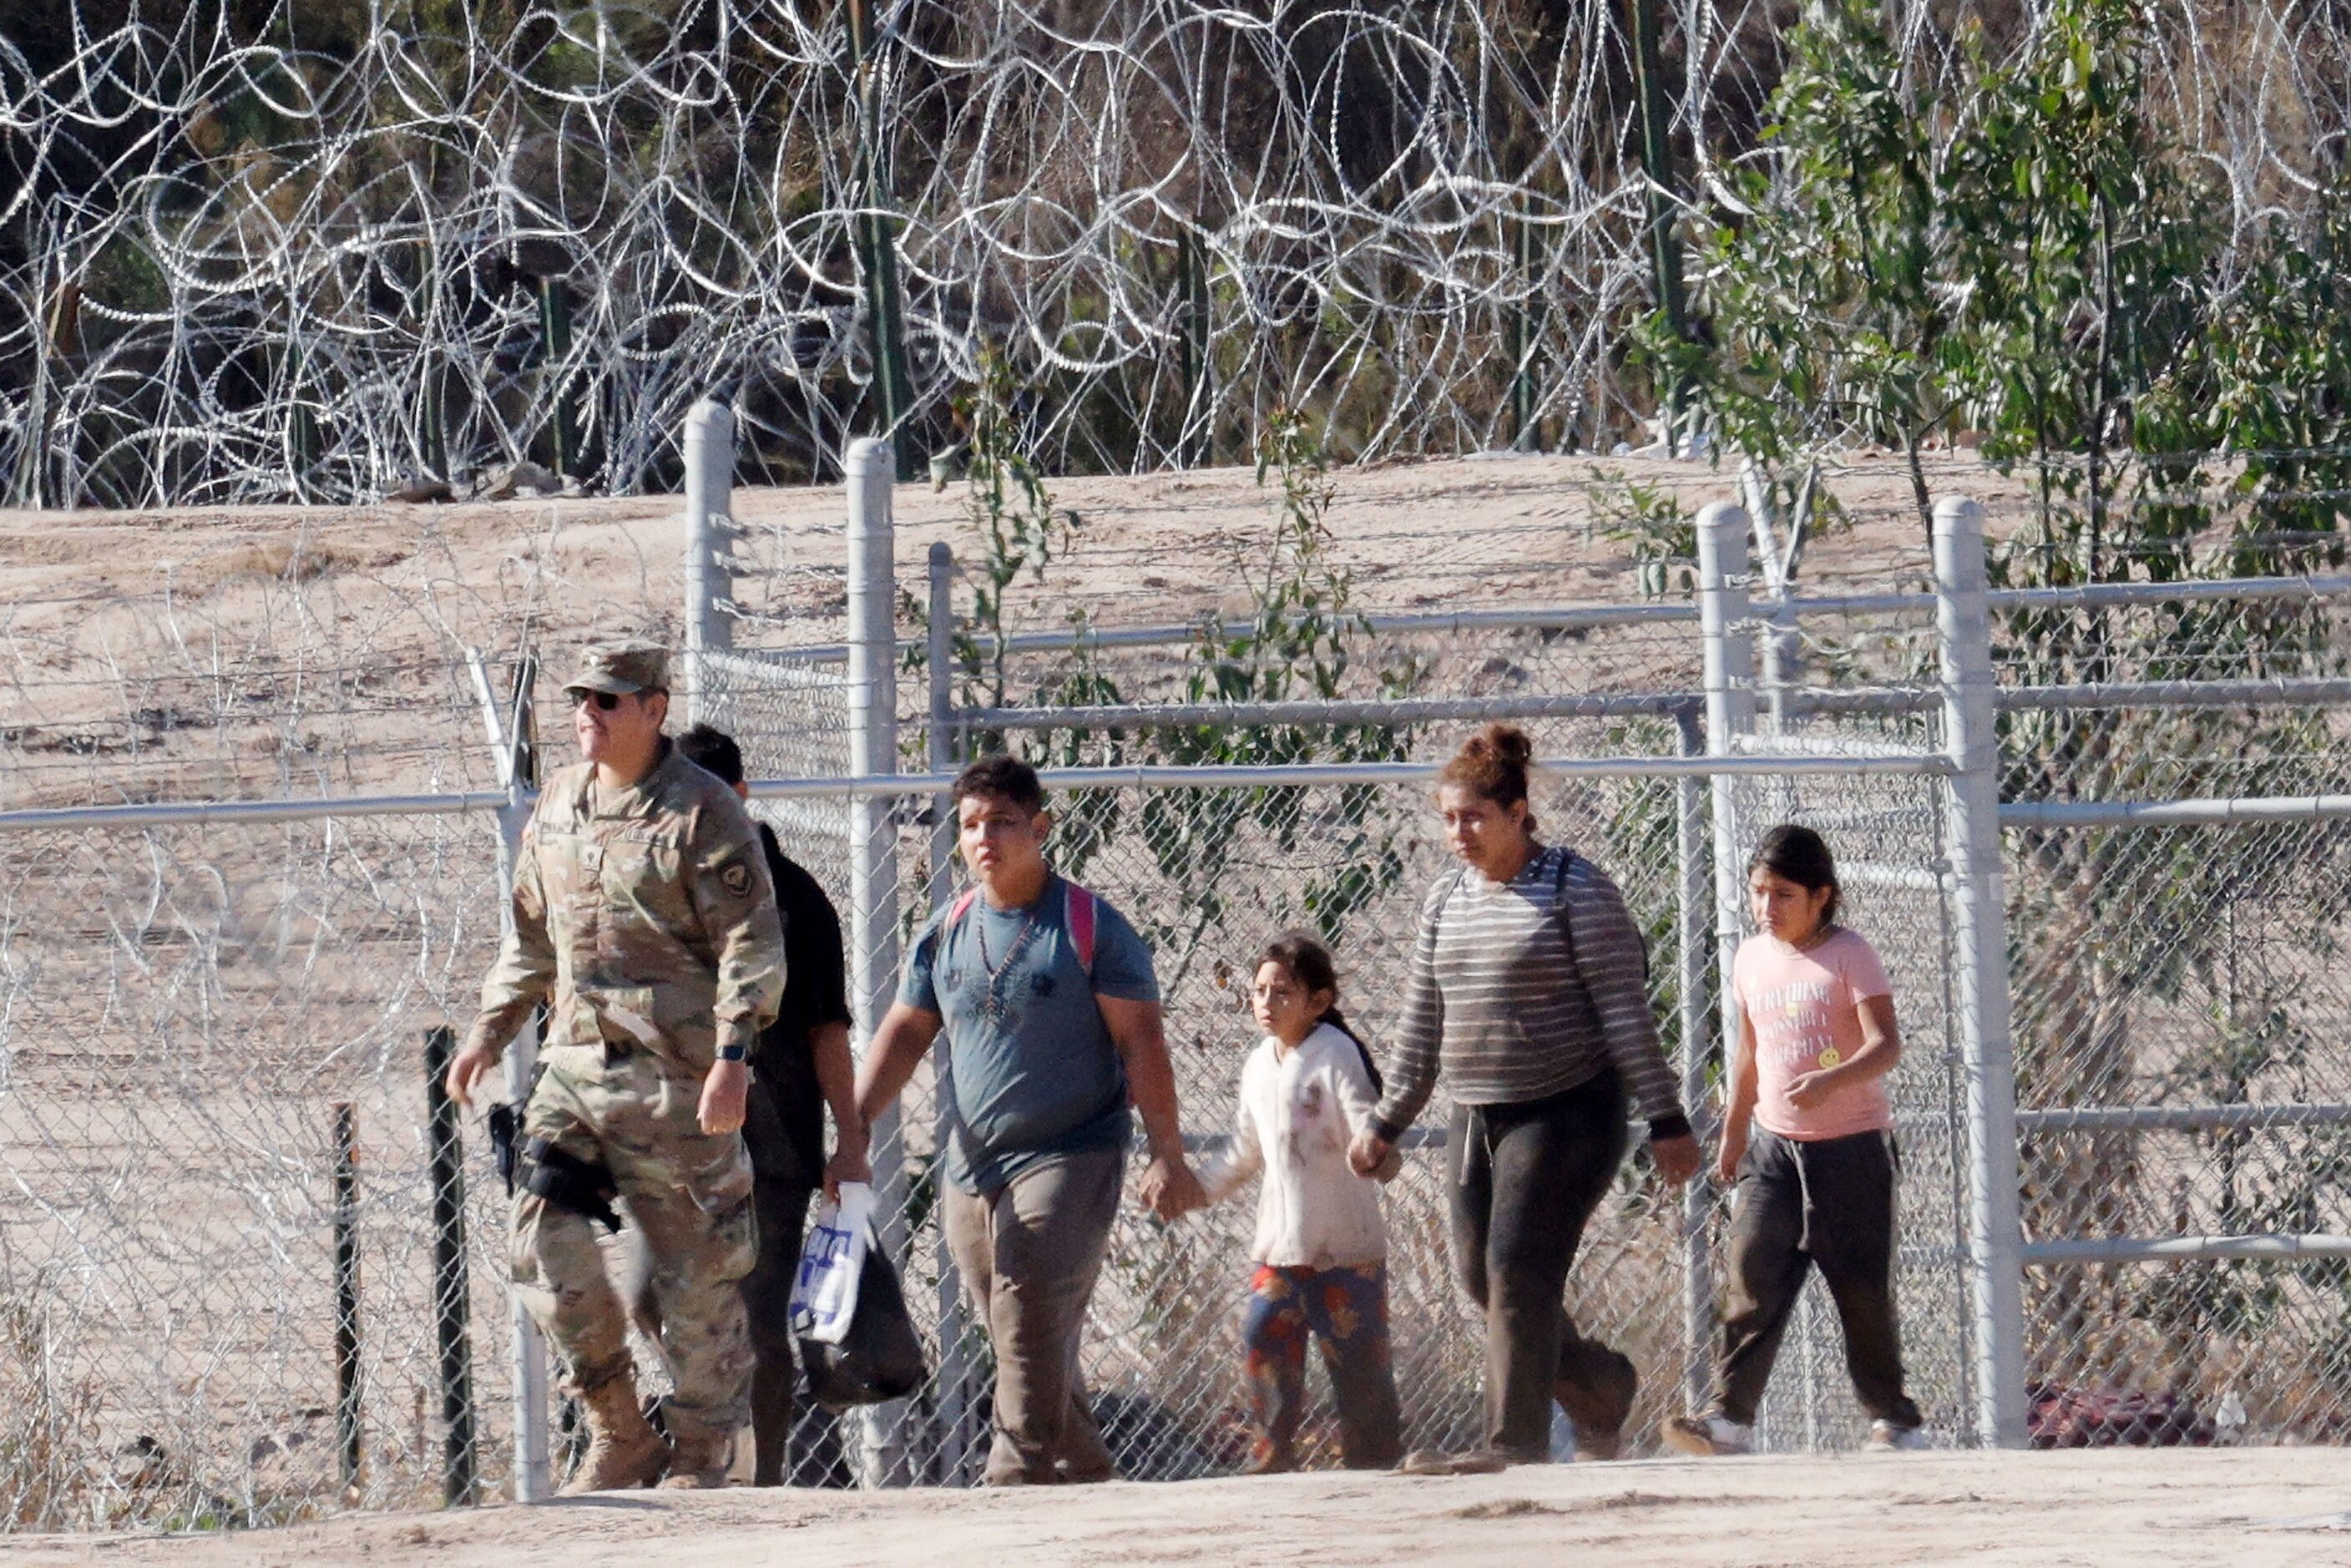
[1346,1310]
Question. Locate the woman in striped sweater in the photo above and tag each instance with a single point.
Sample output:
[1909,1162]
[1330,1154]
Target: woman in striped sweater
[1529,989]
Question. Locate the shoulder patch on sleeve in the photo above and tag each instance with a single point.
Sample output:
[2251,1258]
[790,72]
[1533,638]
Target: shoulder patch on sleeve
[735,875]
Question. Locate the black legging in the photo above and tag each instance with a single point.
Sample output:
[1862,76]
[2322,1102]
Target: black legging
[1525,1178]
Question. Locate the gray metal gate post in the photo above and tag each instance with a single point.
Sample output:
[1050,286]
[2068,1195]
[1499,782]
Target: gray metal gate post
[1730,675]
[709,536]
[873,851]
[509,734]
[1729,666]
[956,1408]
[1979,911]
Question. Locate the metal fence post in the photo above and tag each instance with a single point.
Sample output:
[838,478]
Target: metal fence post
[1730,675]
[1979,911]
[956,1409]
[1694,957]
[347,1389]
[452,1299]
[510,734]
[874,851]
[709,534]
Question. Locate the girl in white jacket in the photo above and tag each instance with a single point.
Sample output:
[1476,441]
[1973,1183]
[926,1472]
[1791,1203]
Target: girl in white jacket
[1321,1249]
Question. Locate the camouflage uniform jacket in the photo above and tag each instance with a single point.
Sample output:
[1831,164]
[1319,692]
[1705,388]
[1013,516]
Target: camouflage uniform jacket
[649,923]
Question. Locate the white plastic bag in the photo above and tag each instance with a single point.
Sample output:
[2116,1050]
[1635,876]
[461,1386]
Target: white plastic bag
[824,1287]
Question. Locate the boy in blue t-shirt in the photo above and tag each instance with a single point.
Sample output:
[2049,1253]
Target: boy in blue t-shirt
[1053,1029]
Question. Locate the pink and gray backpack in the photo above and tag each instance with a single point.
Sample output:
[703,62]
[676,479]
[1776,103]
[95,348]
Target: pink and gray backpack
[1079,916]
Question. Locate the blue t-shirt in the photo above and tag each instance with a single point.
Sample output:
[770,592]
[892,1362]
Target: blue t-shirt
[1034,1070]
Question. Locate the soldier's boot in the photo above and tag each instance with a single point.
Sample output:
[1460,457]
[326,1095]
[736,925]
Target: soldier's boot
[623,1449]
[698,1458]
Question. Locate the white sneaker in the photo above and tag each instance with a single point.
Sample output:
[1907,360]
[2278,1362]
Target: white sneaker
[1885,1437]
[1707,1436]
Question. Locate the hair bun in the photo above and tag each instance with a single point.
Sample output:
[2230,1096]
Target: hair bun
[1509,744]
[1493,762]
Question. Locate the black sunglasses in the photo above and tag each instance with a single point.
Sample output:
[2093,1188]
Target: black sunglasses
[605,700]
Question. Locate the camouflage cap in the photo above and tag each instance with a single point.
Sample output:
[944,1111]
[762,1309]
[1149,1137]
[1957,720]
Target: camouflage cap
[622,667]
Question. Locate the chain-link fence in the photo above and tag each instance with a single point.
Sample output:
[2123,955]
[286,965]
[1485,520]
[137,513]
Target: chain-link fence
[187,1012]
[195,976]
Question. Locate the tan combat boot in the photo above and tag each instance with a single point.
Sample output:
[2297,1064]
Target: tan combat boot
[698,1459]
[623,1449]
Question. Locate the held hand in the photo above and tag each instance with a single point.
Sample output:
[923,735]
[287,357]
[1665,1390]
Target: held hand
[1809,1091]
[1170,1189]
[467,1069]
[1678,1160]
[1364,1155]
[1726,1158]
[724,1096]
[850,1162]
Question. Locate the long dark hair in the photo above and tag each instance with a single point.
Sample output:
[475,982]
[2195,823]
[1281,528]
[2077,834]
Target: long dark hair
[1309,963]
[1801,856]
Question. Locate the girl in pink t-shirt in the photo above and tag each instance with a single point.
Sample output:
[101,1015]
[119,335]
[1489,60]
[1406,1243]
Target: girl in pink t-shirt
[1814,1181]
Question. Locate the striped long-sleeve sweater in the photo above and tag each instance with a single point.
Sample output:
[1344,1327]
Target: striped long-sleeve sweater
[1513,1010]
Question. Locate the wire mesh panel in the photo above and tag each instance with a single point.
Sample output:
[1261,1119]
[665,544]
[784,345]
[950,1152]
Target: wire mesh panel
[790,717]
[2181,1006]
[1887,835]
[184,1013]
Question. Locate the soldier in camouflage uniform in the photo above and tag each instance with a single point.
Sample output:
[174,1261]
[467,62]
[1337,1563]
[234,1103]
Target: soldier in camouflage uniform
[644,918]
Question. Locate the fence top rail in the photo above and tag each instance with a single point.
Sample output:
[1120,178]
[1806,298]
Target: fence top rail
[168,813]
[1339,774]
[2193,813]
[1317,710]
[1577,617]
[2081,596]
[1534,618]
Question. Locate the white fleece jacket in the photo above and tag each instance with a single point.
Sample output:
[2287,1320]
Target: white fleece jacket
[1297,1113]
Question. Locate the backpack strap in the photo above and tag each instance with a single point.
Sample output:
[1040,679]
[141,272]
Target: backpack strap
[1078,912]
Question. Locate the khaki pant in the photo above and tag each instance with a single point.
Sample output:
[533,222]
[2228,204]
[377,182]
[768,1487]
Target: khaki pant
[688,1193]
[1029,1254]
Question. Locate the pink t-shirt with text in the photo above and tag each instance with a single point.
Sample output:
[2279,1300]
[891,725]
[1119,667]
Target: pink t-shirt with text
[1805,1009]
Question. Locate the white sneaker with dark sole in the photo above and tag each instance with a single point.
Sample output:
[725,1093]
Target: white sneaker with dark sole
[1885,1437]
[1707,1436]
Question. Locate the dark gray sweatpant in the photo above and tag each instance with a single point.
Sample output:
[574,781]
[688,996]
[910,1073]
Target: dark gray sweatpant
[1830,1205]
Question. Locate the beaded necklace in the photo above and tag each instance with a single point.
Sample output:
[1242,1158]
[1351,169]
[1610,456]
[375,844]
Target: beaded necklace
[993,1004]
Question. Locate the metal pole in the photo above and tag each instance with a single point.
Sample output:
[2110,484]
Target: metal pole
[956,1407]
[555,338]
[511,735]
[874,851]
[1729,673]
[875,232]
[1196,439]
[1664,190]
[347,1293]
[1978,913]
[1694,956]
[709,531]
[445,1161]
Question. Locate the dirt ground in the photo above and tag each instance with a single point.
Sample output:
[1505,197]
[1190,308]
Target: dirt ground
[2245,1508]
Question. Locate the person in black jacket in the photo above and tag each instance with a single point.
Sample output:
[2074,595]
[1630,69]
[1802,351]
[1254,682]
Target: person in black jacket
[801,1067]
